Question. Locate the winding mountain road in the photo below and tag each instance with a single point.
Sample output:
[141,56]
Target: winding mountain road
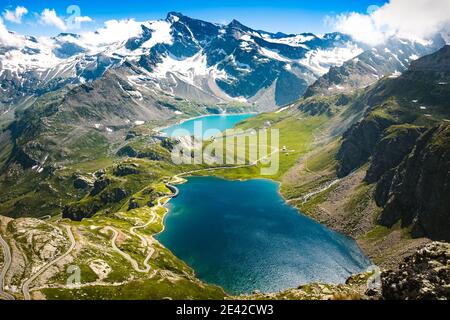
[133,262]
[274,150]
[27,283]
[144,240]
[115,233]
[6,265]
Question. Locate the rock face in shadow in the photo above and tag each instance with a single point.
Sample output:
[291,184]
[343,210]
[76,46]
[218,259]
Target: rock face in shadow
[417,191]
[392,149]
[85,209]
[82,182]
[80,212]
[129,151]
[409,164]
[113,196]
[100,185]
[423,276]
[359,143]
[125,170]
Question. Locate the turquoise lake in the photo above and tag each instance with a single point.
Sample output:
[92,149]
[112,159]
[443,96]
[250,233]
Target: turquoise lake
[219,122]
[243,236]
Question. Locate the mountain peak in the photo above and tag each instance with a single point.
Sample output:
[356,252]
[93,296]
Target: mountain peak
[437,62]
[67,34]
[174,16]
[236,24]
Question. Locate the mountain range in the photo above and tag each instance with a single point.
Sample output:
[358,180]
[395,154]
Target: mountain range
[367,129]
[195,60]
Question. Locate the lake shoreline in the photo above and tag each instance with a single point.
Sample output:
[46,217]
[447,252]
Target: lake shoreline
[288,207]
[181,121]
[178,180]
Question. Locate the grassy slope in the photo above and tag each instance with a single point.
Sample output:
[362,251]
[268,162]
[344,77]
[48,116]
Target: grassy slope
[296,133]
[304,169]
[174,279]
[37,194]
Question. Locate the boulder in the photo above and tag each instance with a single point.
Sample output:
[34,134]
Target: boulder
[113,196]
[132,204]
[423,276]
[127,151]
[100,185]
[81,182]
[125,170]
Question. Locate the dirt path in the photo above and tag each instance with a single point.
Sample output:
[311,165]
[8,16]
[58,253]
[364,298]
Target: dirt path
[308,196]
[274,150]
[6,265]
[27,283]
[133,262]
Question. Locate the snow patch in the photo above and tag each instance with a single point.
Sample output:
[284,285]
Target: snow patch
[273,55]
[161,34]
[320,61]
[395,75]
[186,70]
[295,41]
[246,37]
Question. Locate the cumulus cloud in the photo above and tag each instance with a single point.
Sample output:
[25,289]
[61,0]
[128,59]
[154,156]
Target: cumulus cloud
[8,38]
[417,20]
[50,18]
[113,31]
[83,19]
[15,15]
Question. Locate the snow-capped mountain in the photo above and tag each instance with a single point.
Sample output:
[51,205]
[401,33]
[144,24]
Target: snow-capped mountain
[391,58]
[177,56]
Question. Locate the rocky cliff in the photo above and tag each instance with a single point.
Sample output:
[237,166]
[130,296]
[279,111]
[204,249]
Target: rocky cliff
[416,192]
[392,149]
[359,143]
[423,276]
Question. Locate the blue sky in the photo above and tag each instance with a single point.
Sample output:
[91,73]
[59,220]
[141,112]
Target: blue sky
[289,16]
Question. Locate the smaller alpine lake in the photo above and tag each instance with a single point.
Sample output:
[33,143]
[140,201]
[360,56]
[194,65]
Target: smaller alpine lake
[219,122]
[243,236]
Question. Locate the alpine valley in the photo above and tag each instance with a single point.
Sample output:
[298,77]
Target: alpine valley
[85,171]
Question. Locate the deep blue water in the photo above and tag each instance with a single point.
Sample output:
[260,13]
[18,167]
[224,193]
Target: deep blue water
[219,122]
[242,236]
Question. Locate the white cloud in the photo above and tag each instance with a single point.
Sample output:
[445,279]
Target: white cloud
[7,38]
[360,26]
[50,18]
[16,15]
[113,31]
[83,19]
[417,20]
